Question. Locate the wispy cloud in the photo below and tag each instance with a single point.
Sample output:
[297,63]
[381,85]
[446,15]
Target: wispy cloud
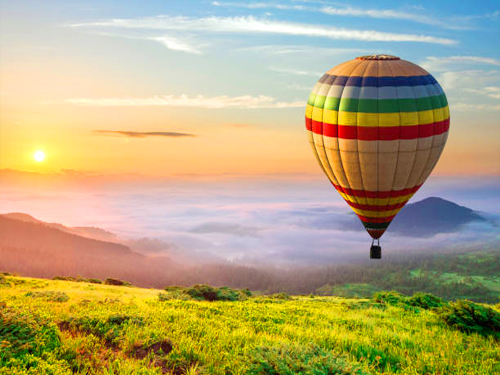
[489,91]
[443,63]
[261,5]
[277,49]
[224,101]
[133,134]
[176,44]
[475,107]
[260,26]
[467,79]
[173,43]
[227,228]
[296,72]
[413,14]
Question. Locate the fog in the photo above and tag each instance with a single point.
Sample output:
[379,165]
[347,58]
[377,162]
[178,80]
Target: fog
[289,219]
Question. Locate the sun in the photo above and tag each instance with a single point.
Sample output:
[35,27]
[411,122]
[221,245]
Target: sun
[39,156]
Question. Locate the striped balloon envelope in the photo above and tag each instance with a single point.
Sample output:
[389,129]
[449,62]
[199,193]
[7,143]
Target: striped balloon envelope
[377,126]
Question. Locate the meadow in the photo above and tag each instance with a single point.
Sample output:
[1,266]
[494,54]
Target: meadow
[66,327]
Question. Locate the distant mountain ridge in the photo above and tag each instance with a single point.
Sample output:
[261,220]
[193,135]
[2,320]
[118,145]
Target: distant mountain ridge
[431,216]
[35,248]
[89,232]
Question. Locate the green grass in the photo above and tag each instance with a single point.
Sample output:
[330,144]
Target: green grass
[106,329]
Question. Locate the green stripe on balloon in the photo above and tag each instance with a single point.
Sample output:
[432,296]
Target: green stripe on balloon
[378,106]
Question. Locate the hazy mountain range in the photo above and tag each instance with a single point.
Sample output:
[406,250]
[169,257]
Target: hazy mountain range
[34,248]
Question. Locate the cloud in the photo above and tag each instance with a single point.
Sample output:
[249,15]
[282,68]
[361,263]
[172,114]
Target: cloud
[472,90]
[224,101]
[475,107]
[413,14]
[259,6]
[465,79]
[489,91]
[144,134]
[434,63]
[278,49]
[296,72]
[175,44]
[227,228]
[254,25]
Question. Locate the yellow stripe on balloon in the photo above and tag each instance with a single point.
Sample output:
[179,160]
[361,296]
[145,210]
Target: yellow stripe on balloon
[367,213]
[376,201]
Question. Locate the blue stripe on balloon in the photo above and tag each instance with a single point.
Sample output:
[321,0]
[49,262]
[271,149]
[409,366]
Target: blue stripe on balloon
[378,81]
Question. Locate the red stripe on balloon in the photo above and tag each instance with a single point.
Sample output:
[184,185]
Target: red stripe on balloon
[370,207]
[376,194]
[376,220]
[382,133]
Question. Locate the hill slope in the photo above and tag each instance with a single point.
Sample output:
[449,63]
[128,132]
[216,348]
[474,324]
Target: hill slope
[94,329]
[36,249]
[432,216]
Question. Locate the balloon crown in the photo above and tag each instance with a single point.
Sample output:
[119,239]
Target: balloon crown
[377,57]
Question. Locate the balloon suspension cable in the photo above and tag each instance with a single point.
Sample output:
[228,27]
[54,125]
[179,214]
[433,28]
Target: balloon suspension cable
[375,249]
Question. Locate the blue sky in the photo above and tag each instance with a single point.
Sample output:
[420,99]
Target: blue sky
[224,71]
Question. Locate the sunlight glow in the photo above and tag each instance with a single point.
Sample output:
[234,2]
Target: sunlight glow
[39,156]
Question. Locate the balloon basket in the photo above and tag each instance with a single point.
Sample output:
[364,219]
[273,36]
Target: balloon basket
[375,250]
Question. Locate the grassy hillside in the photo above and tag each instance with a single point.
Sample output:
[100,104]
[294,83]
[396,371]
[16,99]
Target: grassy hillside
[63,327]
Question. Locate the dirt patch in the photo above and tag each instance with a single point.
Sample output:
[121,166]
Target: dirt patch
[164,347]
[78,330]
[159,348]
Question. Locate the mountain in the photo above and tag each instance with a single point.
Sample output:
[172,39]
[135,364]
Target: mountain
[432,216]
[31,247]
[89,232]
[427,218]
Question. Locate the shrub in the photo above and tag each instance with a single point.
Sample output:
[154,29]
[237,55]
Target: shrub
[282,296]
[203,292]
[388,298]
[23,334]
[49,296]
[469,317]
[306,360]
[426,301]
[107,328]
[110,281]
[64,278]
[78,279]
[174,295]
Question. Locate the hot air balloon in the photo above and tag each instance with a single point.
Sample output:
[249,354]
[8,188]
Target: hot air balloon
[377,126]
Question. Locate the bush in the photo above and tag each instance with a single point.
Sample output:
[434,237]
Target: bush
[107,328]
[203,292]
[306,360]
[388,298]
[426,301]
[118,282]
[174,295]
[469,317]
[49,296]
[281,296]
[78,279]
[22,335]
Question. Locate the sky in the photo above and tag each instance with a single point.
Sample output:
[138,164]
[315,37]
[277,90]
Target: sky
[184,120]
[214,87]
